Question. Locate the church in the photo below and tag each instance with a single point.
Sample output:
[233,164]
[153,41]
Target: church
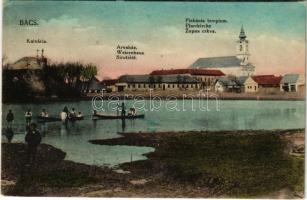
[237,65]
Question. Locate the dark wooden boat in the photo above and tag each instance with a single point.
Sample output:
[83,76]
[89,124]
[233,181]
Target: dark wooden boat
[41,119]
[105,116]
[75,118]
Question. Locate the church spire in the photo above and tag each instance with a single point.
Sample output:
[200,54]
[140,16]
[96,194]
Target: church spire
[242,35]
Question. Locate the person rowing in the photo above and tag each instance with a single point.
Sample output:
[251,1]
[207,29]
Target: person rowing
[72,113]
[79,115]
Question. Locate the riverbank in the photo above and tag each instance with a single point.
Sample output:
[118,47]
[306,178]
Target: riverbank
[165,95]
[184,164]
[225,164]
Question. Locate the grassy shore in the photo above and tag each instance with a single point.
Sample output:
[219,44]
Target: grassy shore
[184,164]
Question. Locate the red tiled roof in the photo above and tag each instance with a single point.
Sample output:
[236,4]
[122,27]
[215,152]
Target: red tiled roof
[267,80]
[204,72]
[109,82]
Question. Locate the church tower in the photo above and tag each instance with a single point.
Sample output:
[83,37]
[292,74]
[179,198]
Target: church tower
[242,48]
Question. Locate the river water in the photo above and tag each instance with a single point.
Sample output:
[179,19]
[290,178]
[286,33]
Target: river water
[160,116]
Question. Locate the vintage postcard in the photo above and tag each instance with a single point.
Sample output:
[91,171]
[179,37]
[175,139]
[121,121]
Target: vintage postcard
[153,99]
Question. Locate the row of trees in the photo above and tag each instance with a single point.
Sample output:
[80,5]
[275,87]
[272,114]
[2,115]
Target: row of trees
[62,80]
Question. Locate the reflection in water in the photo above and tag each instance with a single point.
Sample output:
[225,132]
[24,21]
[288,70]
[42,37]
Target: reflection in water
[73,137]
[123,125]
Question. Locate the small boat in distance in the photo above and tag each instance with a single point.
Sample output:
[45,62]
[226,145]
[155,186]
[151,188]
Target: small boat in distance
[110,116]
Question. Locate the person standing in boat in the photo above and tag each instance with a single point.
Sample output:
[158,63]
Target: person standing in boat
[10,118]
[123,110]
[33,139]
[63,116]
[66,110]
[28,116]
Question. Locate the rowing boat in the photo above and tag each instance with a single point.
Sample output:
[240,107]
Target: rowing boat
[108,116]
[41,119]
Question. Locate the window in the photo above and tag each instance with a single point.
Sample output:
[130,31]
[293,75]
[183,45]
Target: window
[139,86]
[144,85]
[173,86]
[128,85]
[168,85]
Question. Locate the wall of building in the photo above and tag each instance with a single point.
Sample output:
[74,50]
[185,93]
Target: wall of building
[250,85]
[161,86]
[268,90]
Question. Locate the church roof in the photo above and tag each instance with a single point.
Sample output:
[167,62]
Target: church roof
[216,62]
[242,33]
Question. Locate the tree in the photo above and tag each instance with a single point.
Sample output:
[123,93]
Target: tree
[88,72]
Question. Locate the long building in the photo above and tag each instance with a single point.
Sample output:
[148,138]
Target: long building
[157,82]
[206,77]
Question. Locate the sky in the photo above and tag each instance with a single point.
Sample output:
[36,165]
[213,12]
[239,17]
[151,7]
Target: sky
[90,31]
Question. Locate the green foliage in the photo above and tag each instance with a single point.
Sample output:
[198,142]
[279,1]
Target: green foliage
[237,165]
[89,71]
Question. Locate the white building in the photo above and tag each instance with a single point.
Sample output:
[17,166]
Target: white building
[292,83]
[237,65]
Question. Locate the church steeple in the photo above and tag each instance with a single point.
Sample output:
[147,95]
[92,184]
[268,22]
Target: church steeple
[242,47]
[242,35]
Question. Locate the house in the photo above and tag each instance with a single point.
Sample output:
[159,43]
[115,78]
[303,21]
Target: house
[236,84]
[110,84]
[268,83]
[226,84]
[92,86]
[235,65]
[157,82]
[207,77]
[246,84]
[292,83]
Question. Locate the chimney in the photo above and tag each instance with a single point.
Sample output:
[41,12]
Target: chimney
[37,53]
